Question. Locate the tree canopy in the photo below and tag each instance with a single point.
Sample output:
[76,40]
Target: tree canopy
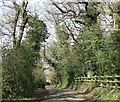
[87,41]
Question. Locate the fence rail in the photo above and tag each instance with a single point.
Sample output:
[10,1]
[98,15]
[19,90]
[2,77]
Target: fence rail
[101,81]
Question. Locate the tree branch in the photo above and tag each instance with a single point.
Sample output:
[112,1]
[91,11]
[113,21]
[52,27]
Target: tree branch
[24,22]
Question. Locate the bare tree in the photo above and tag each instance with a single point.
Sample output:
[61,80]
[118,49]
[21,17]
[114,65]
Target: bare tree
[74,15]
[15,21]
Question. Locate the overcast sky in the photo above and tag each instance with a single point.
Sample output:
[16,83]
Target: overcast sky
[39,6]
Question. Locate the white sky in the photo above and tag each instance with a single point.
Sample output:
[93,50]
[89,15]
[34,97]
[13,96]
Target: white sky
[40,6]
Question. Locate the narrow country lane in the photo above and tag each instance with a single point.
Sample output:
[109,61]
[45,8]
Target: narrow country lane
[66,95]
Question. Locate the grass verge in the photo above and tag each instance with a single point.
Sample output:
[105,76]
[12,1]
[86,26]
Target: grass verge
[100,93]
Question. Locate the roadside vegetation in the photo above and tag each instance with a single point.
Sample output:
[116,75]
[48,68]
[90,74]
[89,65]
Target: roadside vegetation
[21,67]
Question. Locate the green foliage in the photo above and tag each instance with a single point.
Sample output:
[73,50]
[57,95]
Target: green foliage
[21,75]
[17,69]
[37,33]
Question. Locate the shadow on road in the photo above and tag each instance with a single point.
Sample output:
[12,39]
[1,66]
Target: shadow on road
[65,95]
[51,94]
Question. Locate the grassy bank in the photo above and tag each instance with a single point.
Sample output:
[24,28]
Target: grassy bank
[100,93]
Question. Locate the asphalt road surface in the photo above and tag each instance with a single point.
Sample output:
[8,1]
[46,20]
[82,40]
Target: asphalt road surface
[66,95]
